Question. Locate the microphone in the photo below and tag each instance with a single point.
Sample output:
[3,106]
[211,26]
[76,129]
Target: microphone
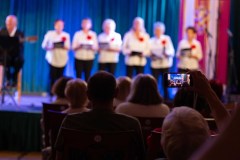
[229,32]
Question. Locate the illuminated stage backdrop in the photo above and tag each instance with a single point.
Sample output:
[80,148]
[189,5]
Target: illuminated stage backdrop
[37,16]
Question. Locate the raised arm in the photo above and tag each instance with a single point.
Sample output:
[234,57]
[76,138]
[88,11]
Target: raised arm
[202,87]
[226,145]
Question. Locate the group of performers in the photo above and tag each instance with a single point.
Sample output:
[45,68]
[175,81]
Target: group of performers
[136,46]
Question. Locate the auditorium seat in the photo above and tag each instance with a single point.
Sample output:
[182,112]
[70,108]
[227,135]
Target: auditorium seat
[148,124]
[154,148]
[55,119]
[98,145]
[212,124]
[46,120]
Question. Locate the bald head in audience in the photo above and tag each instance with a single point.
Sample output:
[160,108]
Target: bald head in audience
[184,131]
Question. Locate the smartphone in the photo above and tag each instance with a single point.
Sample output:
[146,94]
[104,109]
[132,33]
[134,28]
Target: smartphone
[177,80]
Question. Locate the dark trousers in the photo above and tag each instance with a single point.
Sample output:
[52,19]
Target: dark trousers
[83,66]
[110,67]
[160,72]
[130,70]
[12,69]
[55,73]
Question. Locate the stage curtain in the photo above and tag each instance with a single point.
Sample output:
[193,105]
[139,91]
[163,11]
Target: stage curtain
[20,131]
[37,16]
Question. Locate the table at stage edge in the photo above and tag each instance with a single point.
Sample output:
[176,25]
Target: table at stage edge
[20,131]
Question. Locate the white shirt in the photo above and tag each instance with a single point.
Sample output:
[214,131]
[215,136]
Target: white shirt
[57,57]
[186,62]
[132,43]
[156,47]
[13,32]
[82,38]
[114,40]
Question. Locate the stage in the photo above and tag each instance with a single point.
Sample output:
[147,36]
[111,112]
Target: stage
[20,124]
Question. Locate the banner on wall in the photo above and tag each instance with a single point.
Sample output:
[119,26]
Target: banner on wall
[203,14]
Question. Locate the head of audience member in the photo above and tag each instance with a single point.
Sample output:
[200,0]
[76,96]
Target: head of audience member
[59,87]
[217,87]
[124,87]
[138,25]
[184,130]
[159,29]
[186,96]
[11,22]
[144,90]
[108,26]
[191,33]
[59,25]
[76,93]
[86,24]
[102,89]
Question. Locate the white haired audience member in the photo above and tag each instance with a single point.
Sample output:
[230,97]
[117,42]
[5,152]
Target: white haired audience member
[184,130]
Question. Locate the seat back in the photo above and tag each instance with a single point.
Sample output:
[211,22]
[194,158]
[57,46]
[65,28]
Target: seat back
[148,124]
[212,124]
[46,120]
[98,145]
[154,146]
[55,121]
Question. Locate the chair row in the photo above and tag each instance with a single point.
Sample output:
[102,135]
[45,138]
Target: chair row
[98,143]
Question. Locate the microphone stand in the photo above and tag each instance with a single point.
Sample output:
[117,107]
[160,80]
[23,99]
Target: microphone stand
[210,55]
[232,68]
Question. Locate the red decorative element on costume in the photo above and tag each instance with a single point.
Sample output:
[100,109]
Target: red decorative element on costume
[141,39]
[89,37]
[64,39]
[112,39]
[193,46]
[164,42]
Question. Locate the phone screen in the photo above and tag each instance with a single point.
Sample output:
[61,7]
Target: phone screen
[177,80]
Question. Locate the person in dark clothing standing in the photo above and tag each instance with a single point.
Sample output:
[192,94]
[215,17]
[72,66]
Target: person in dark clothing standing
[15,60]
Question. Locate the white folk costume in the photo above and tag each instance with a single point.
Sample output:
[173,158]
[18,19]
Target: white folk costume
[186,51]
[85,45]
